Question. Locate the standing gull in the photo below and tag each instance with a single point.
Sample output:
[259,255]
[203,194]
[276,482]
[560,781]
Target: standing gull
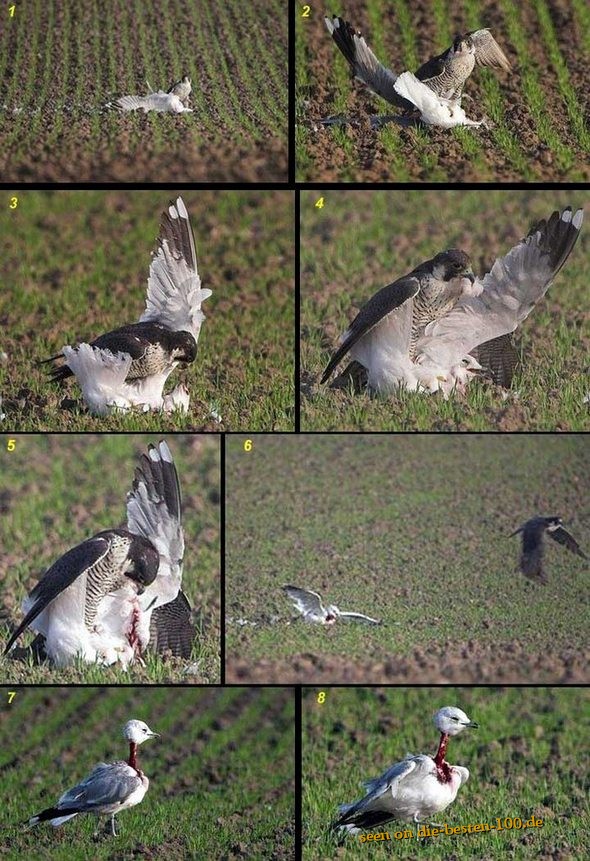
[108,789]
[415,788]
[533,532]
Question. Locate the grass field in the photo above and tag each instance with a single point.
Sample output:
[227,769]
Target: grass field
[525,759]
[537,113]
[361,241]
[63,61]
[76,266]
[410,529]
[56,491]
[221,775]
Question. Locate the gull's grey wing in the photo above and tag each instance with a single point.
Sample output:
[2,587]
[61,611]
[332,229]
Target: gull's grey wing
[154,510]
[509,291]
[373,807]
[171,628]
[487,50]
[304,600]
[562,536]
[174,294]
[62,574]
[499,358]
[378,307]
[359,617]
[107,783]
[363,63]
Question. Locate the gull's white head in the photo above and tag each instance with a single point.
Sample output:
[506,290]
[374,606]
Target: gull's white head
[138,731]
[452,720]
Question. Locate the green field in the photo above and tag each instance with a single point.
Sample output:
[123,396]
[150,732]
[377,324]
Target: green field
[410,529]
[63,63]
[76,266]
[360,241]
[57,491]
[221,775]
[536,115]
[525,759]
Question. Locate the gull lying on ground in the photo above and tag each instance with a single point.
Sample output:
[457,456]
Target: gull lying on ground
[434,110]
[312,609]
[108,789]
[159,101]
[415,788]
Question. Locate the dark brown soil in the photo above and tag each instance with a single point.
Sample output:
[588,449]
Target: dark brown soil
[372,163]
[446,663]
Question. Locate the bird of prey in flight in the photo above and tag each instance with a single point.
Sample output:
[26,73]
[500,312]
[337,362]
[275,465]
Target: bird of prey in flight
[437,327]
[129,366]
[445,74]
[313,610]
[118,594]
[533,532]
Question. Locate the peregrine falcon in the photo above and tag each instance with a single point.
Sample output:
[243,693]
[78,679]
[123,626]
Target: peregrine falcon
[395,318]
[444,74]
[312,609]
[533,531]
[129,366]
[463,322]
[66,606]
[119,594]
[182,89]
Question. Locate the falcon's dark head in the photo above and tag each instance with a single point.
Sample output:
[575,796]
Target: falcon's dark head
[183,347]
[145,561]
[463,45]
[553,522]
[452,264]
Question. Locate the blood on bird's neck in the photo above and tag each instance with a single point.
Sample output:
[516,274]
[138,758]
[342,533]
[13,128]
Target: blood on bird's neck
[443,769]
[132,761]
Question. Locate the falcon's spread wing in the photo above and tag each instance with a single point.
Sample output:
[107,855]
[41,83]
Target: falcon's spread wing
[487,50]
[154,510]
[359,617]
[304,600]
[363,63]
[562,536]
[509,292]
[375,312]
[73,564]
[174,294]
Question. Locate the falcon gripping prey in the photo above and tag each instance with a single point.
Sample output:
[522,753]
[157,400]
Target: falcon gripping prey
[437,327]
[129,366]
[533,533]
[118,594]
[445,75]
